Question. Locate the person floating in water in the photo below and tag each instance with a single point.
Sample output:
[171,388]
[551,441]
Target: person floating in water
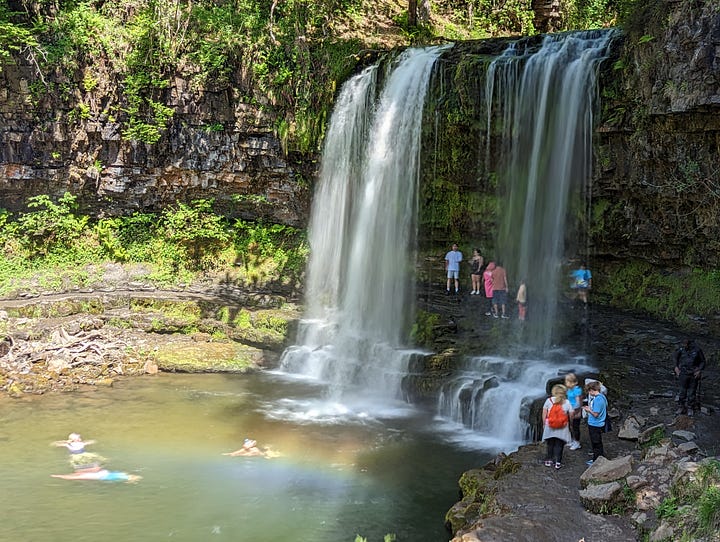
[250,449]
[74,443]
[80,459]
[98,473]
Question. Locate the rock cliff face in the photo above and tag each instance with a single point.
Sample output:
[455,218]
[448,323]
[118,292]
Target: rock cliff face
[656,195]
[55,136]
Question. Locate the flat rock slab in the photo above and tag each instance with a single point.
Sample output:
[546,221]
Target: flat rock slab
[543,504]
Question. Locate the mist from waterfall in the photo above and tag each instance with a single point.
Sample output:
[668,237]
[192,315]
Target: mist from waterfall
[360,289]
[540,104]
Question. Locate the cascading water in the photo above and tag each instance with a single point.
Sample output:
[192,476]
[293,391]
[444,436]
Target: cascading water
[544,102]
[492,396]
[362,233]
[541,103]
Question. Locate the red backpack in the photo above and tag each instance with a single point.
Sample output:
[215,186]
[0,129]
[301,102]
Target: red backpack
[557,417]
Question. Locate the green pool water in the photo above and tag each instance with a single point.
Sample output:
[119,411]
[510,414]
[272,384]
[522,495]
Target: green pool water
[337,476]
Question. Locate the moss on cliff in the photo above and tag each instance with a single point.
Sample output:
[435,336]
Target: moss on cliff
[683,296]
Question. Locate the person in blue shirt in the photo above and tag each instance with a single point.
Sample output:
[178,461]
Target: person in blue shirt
[575,396]
[582,282]
[597,412]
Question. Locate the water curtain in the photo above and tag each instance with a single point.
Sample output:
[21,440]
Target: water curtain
[362,232]
[542,101]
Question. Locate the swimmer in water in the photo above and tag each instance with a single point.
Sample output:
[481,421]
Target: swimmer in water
[74,443]
[100,474]
[80,459]
[250,449]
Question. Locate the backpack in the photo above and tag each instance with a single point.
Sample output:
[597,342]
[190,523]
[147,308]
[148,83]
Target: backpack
[557,417]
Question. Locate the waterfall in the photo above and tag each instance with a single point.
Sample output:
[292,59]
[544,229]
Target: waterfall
[492,395]
[540,102]
[543,101]
[362,234]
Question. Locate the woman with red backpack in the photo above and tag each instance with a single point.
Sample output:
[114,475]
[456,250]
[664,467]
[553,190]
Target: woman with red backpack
[556,422]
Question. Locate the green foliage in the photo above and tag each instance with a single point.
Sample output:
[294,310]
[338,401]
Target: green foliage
[586,14]
[694,507]
[186,239]
[655,438]
[709,510]
[423,330]
[638,17]
[14,36]
[502,18]
[201,233]
[671,296]
[52,227]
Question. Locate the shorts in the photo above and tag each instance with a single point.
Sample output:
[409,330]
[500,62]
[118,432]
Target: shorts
[499,297]
[453,274]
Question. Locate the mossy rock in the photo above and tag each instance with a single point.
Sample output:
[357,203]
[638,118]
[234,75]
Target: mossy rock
[265,328]
[477,482]
[443,361]
[478,488]
[208,357]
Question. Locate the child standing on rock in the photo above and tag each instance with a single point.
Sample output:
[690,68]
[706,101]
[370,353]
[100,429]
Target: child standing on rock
[575,396]
[597,412]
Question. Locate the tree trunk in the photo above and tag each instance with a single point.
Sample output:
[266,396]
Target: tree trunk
[412,13]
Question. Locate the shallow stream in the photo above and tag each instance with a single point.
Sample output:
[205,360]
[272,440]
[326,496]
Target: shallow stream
[341,473]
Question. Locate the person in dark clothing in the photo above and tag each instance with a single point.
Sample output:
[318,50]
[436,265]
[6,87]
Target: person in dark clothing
[689,364]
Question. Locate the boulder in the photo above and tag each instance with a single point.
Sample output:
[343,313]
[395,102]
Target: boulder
[606,470]
[630,429]
[664,532]
[636,482]
[684,471]
[684,435]
[600,498]
[688,447]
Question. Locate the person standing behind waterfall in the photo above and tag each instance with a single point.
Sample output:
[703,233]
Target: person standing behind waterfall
[582,282]
[689,365]
[452,265]
[521,299]
[487,281]
[476,265]
[556,437]
[500,289]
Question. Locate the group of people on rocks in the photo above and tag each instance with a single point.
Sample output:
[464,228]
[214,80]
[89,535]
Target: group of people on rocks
[492,281]
[568,404]
[562,413]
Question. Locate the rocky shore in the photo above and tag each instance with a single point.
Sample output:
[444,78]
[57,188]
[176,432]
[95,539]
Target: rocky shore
[124,326]
[652,451]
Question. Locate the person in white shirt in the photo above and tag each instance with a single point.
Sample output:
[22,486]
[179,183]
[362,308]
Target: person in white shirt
[452,265]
